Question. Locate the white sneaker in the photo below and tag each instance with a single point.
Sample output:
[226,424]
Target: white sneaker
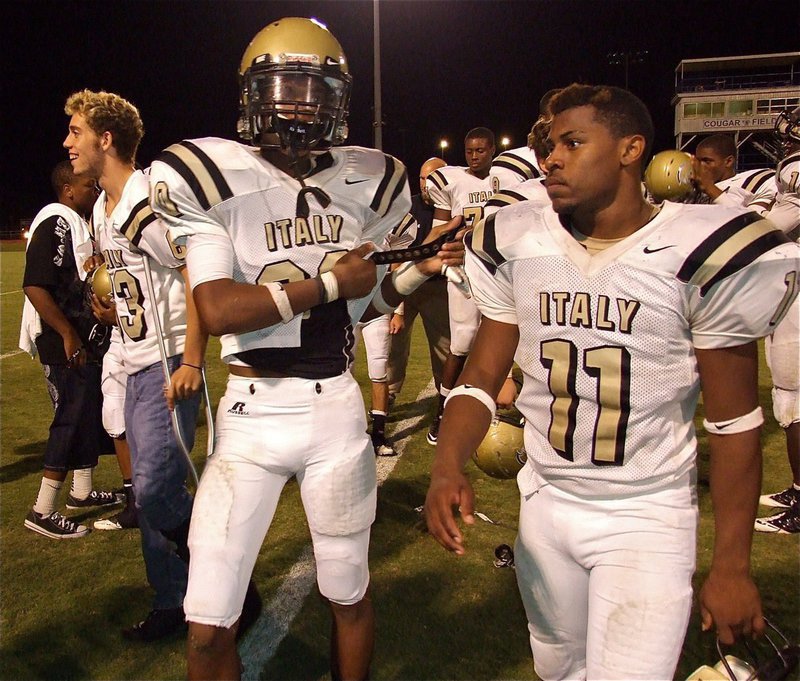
[385,450]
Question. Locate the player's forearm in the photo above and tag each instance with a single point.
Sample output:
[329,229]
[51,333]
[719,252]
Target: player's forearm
[735,481]
[50,313]
[466,418]
[226,306]
[194,350]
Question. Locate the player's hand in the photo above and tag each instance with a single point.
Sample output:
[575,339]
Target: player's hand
[507,395]
[451,254]
[448,492]
[702,180]
[446,228]
[396,324]
[184,382]
[356,275]
[74,350]
[92,263]
[731,604]
[104,311]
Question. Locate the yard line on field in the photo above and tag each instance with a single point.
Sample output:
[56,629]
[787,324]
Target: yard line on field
[261,642]
[11,354]
[7,293]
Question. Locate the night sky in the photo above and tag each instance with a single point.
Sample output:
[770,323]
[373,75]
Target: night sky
[447,66]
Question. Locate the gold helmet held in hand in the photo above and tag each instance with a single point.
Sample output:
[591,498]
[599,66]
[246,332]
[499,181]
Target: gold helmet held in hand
[669,175]
[501,454]
[100,281]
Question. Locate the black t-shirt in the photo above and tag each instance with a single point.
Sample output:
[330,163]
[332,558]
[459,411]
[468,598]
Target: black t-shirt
[50,264]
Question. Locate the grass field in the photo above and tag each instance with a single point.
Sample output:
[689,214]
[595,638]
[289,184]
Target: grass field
[439,617]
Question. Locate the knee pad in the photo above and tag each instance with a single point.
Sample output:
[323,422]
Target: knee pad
[786,406]
[342,566]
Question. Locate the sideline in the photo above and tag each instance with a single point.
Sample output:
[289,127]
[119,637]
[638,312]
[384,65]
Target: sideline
[12,354]
[263,639]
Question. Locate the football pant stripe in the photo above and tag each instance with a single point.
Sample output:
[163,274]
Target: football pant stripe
[518,165]
[504,198]
[394,179]
[731,248]
[140,216]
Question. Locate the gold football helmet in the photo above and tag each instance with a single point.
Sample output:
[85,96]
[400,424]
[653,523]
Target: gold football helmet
[100,281]
[294,87]
[669,175]
[501,454]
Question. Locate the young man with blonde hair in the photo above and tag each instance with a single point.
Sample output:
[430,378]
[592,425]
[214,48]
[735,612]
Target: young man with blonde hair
[104,134]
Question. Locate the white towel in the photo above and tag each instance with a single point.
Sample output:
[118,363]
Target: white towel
[31,326]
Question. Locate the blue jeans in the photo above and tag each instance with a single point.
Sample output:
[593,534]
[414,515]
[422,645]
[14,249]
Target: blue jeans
[159,476]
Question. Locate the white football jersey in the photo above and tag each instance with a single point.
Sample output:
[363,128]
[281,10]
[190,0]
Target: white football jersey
[511,167]
[215,191]
[752,188]
[453,189]
[607,341]
[785,212]
[131,233]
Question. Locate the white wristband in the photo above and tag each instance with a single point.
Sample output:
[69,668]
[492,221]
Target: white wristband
[408,279]
[738,425]
[281,300]
[331,284]
[476,393]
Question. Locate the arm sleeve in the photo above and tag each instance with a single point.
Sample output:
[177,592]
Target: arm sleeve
[491,287]
[749,303]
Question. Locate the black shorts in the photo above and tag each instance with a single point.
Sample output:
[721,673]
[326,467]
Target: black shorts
[77,436]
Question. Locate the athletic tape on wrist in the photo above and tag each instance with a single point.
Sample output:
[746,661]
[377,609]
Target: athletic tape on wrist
[408,279]
[281,300]
[738,425]
[331,284]
[476,393]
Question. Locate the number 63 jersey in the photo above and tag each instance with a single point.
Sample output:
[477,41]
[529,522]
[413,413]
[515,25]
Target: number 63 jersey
[607,340]
[240,217]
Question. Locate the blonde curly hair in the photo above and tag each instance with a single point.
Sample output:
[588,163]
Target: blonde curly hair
[108,112]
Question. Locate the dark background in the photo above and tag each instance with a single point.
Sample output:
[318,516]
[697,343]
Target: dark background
[447,66]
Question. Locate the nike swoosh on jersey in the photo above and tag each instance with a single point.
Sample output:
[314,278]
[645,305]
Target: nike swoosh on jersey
[647,249]
[347,180]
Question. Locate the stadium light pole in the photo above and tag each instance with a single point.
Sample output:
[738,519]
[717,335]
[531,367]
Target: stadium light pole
[626,58]
[504,142]
[377,123]
[443,144]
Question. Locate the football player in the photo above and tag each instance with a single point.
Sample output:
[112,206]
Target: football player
[429,301]
[104,134]
[459,191]
[276,236]
[374,329]
[614,346]
[783,353]
[716,177]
